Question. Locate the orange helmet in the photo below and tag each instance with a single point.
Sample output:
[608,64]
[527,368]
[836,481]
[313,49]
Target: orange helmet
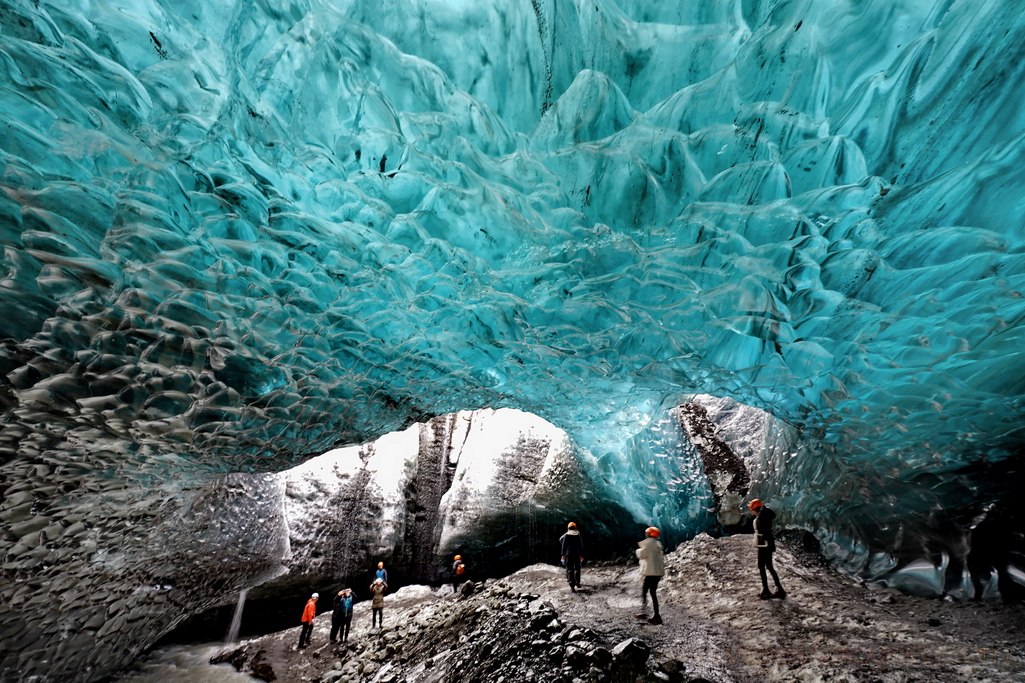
[755,504]
[652,531]
[458,557]
[572,525]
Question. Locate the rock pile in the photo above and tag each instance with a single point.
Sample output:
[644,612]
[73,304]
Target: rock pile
[530,627]
[496,634]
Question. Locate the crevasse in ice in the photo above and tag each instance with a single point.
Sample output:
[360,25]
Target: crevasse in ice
[236,234]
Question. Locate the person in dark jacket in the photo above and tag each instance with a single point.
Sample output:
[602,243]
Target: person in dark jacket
[458,570]
[572,545]
[341,616]
[765,541]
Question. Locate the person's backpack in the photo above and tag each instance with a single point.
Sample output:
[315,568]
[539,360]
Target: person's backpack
[460,568]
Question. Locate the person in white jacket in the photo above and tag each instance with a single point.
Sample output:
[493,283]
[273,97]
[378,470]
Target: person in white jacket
[653,567]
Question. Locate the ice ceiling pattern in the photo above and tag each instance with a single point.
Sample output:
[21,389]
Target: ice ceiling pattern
[236,234]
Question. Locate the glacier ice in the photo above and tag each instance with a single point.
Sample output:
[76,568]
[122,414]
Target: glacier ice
[238,235]
[493,485]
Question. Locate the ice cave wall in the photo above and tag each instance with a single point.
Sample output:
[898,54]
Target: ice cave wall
[497,487]
[237,235]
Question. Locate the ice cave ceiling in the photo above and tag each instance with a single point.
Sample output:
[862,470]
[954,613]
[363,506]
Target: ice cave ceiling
[238,234]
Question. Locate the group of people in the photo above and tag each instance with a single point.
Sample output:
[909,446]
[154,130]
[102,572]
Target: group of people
[649,552]
[650,555]
[341,617]
[341,613]
[651,558]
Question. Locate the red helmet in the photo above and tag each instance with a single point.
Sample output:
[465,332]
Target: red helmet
[652,531]
[572,525]
[755,504]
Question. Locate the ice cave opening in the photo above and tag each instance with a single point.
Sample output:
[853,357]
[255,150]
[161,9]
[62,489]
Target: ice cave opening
[235,236]
[496,487]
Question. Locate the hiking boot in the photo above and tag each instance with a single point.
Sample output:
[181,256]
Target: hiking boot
[655,620]
[765,595]
[780,594]
[642,615]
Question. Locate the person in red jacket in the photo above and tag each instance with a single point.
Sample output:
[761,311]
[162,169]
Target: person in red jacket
[308,615]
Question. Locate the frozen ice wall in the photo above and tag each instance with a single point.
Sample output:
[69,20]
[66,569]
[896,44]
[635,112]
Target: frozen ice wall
[239,233]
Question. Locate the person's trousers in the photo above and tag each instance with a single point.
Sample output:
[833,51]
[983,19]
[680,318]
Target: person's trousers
[340,624]
[765,563]
[304,635]
[377,616]
[650,586]
[573,571]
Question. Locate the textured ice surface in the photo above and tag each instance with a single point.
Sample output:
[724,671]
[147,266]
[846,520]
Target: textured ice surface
[236,234]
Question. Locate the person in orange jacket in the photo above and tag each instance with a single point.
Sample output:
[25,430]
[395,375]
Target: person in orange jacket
[309,613]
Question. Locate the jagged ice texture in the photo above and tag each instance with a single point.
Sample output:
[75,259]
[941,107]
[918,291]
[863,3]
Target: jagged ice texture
[237,234]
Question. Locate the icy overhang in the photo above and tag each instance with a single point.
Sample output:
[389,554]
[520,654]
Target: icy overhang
[238,235]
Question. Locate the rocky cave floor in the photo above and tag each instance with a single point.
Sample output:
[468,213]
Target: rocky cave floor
[530,627]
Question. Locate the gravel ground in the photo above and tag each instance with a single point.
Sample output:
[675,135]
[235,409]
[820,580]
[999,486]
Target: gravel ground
[531,627]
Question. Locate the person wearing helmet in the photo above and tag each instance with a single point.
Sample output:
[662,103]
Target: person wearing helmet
[341,615]
[653,566]
[572,545]
[309,613]
[381,572]
[377,589]
[765,541]
[458,570]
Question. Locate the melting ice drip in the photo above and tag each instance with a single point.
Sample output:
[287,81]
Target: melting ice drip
[236,618]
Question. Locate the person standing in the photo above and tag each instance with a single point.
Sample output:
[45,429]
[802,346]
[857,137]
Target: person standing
[765,541]
[381,572]
[377,589]
[309,613]
[653,566]
[458,569]
[341,617]
[572,547]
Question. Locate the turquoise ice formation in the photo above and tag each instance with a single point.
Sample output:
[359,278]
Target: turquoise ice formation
[237,234]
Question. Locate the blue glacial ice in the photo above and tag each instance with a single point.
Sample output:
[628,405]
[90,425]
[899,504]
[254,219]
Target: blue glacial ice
[239,234]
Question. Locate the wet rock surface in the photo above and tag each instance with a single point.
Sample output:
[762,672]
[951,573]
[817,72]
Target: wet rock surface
[531,627]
